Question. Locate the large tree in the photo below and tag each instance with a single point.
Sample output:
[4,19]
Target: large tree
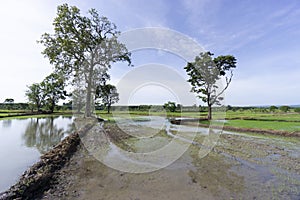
[83,46]
[53,88]
[36,96]
[204,74]
[108,95]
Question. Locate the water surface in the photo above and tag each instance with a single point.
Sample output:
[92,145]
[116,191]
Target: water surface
[22,141]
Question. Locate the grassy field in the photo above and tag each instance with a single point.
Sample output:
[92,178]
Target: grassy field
[289,122]
[265,125]
[242,119]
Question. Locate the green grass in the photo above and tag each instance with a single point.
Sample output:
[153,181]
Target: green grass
[235,119]
[265,125]
[262,116]
[35,116]
[104,114]
[12,111]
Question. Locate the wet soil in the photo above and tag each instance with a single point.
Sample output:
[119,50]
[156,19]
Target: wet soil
[239,167]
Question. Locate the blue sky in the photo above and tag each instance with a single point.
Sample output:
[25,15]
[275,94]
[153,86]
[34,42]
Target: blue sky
[262,35]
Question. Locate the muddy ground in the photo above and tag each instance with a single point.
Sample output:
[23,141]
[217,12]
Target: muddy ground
[239,167]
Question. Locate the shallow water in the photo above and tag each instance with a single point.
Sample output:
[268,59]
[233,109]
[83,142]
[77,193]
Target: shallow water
[240,166]
[22,141]
[237,165]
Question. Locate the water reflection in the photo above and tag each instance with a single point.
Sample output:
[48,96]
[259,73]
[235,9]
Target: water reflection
[44,133]
[6,123]
[214,173]
[22,141]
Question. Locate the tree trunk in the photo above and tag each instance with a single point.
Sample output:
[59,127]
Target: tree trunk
[108,108]
[209,104]
[88,103]
[88,110]
[52,106]
[108,105]
[209,115]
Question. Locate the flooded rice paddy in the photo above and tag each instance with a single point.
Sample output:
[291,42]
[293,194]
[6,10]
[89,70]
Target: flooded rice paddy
[22,141]
[238,165]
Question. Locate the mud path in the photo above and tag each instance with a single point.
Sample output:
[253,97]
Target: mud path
[240,167]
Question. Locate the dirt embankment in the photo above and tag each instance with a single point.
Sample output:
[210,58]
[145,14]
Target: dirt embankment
[37,178]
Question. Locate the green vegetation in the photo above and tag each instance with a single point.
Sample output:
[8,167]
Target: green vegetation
[35,115]
[170,106]
[45,95]
[204,74]
[108,95]
[279,121]
[265,125]
[297,110]
[249,118]
[82,49]
[284,108]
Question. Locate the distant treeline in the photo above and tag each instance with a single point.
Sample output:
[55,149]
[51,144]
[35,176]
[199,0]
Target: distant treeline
[14,106]
[158,108]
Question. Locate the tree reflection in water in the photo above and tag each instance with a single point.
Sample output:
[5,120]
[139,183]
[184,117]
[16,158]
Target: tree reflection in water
[6,123]
[43,133]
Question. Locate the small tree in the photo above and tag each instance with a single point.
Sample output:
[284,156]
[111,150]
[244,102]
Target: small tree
[204,73]
[108,95]
[83,46]
[170,106]
[53,90]
[297,110]
[35,96]
[284,108]
[273,108]
[9,101]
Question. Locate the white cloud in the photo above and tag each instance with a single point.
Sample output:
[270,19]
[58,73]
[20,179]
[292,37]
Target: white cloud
[23,22]
[265,89]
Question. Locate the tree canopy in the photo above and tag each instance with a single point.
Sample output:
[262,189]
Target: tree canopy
[204,73]
[53,88]
[83,47]
[108,95]
[35,96]
[9,100]
[47,93]
[170,106]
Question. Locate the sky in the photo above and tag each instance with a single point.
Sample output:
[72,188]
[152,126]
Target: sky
[262,35]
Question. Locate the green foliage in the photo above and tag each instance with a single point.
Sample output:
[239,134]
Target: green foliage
[144,107]
[284,108]
[53,89]
[9,100]
[47,93]
[35,96]
[204,73]
[14,106]
[170,106]
[108,95]
[297,110]
[267,125]
[273,108]
[83,47]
